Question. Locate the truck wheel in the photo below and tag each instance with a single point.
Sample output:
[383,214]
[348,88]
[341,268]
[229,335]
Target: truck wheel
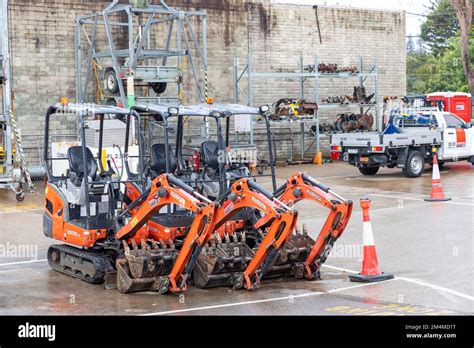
[158,87]
[415,165]
[111,82]
[111,102]
[369,170]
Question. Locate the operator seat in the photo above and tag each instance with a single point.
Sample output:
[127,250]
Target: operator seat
[76,165]
[210,154]
[158,159]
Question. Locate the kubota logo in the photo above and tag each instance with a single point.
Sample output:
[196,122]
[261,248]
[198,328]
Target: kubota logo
[228,206]
[73,233]
[178,198]
[260,204]
[314,195]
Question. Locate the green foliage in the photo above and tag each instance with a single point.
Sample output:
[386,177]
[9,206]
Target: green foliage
[441,24]
[428,73]
[437,65]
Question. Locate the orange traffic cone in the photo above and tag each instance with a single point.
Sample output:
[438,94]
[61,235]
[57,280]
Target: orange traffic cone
[437,194]
[370,264]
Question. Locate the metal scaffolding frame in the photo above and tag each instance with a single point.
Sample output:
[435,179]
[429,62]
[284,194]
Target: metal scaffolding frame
[303,75]
[140,47]
[6,164]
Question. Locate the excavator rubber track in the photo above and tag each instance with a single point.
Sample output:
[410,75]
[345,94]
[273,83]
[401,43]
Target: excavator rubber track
[87,266]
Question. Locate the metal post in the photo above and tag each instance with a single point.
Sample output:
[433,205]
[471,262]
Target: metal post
[204,40]
[302,139]
[168,39]
[178,47]
[317,101]
[131,41]
[249,76]
[302,77]
[250,89]
[377,97]
[85,180]
[361,81]
[236,78]
[78,56]
[90,60]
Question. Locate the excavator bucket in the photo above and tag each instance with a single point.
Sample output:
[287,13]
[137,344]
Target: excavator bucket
[145,268]
[222,262]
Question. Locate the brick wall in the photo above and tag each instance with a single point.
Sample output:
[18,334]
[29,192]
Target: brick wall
[43,53]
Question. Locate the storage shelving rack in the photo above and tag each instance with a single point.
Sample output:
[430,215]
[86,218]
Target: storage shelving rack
[303,75]
[140,23]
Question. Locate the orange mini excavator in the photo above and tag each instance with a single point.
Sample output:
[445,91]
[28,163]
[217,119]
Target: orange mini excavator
[82,198]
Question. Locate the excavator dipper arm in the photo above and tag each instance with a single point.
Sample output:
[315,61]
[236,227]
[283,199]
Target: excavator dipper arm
[245,193]
[301,186]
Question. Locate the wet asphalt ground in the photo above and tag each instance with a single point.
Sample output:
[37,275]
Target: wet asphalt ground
[427,246]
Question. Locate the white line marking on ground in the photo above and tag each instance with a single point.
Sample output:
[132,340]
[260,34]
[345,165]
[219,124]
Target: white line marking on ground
[416,281]
[341,269]
[20,211]
[436,287]
[264,300]
[22,262]
[418,199]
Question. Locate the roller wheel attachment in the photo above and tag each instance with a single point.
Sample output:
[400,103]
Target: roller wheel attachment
[20,197]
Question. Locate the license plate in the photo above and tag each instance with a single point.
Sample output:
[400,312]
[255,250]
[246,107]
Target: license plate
[364,159]
[353,151]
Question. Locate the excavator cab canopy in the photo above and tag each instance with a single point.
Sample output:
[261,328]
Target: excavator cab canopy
[168,156]
[86,170]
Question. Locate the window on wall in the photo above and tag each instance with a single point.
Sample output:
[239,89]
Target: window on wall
[452,121]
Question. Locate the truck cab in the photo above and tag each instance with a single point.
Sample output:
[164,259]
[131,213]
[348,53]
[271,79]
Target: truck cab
[458,137]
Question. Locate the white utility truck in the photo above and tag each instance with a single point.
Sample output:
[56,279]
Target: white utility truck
[407,142]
